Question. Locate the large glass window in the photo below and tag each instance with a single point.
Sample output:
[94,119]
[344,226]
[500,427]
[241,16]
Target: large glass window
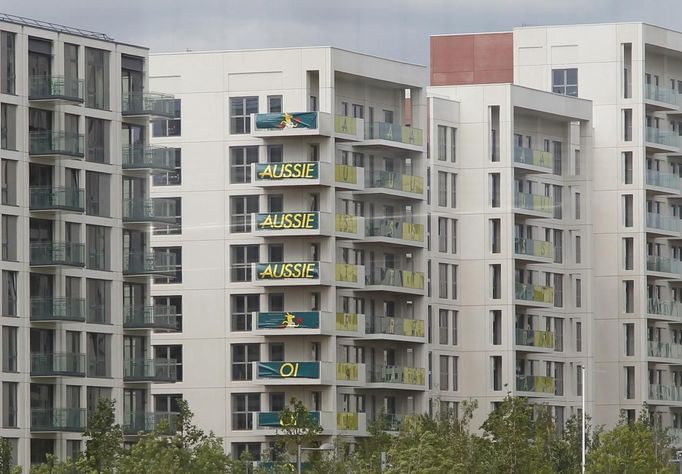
[96,78]
[241,109]
[241,158]
[565,81]
[170,178]
[244,408]
[7,62]
[241,309]
[241,208]
[242,357]
[171,127]
[242,258]
[171,353]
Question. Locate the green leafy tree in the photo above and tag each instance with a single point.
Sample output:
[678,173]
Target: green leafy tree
[104,439]
[6,458]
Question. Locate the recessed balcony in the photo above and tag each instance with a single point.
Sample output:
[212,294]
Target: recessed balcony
[393,231]
[663,225]
[534,161]
[55,88]
[289,173]
[350,227]
[58,419]
[533,205]
[665,393]
[395,184]
[396,377]
[297,323]
[149,158]
[309,373]
[391,328]
[288,273]
[665,267]
[158,318]
[542,341]
[291,124]
[145,211]
[660,98]
[394,280]
[55,254]
[662,183]
[349,128]
[149,370]
[349,177]
[69,145]
[47,309]
[665,350]
[664,310]
[534,295]
[350,275]
[147,104]
[295,223]
[55,198]
[536,385]
[661,141]
[393,135]
[71,364]
[139,263]
[534,250]
[147,422]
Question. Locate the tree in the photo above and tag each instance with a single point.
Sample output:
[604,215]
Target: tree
[104,443]
[6,458]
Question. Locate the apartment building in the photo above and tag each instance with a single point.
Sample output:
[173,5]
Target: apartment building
[301,182]
[76,213]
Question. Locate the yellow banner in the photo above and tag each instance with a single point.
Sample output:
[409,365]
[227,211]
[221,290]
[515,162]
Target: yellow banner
[412,136]
[543,339]
[346,272]
[542,158]
[544,384]
[347,421]
[346,174]
[412,184]
[346,223]
[346,371]
[346,322]
[414,375]
[346,125]
[413,280]
[413,327]
[413,232]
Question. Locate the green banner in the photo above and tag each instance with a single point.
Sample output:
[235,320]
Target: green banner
[274,419]
[287,320]
[275,171]
[286,370]
[287,120]
[285,271]
[287,220]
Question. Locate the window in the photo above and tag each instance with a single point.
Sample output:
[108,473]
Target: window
[565,81]
[241,159]
[170,178]
[629,339]
[442,189]
[454,269]
[97,140]
[576,207]
[453,145]
[9,238]
[276,350]
[98,298]
[9,404]
[442,280]
[558,290]
[97,244]
[578,249]
[170,127]
[8,127]
[9,349]
[494,189]
[628,252]
[275,153]
[455,373]
[627,167]
[442,234]
[171,354]
[167,403]
[578,293]
[242,357]
[496,366]
[7,62]
[629,382]
[98,347]
[244,409]
[169,229]
[96,78]
[627,125]
[627,210]
[358,111]
[171,307]
[496,281]
[453,243]
[97,194]
[442,143]
[241,208]
[443,326]
[241,308]
[578,336]
[242,257]
[629,290]
[495,226]
[274,104]
[444,372]
[496,323]
[576,163]
[241,109]
[8,174]
[453,190]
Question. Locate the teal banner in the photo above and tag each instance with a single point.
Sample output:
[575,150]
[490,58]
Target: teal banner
[303,320]
[285,271]
[287,120]
[286,370]
[275,171]
[274,419]
[287,220]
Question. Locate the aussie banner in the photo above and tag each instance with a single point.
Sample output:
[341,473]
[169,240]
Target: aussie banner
[283,271]
[275,171]
[286,370]
[287,120]
[288,320]
[288,220]
[274,419]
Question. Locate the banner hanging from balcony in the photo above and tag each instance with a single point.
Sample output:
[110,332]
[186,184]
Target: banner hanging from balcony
[275,171]
[274,419]
[285,370]
[282,271]
[287,120]
[287,220]
[286,320]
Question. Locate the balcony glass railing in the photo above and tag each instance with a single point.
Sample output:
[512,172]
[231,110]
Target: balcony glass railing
[48,198]
[57,253]
[147,103]
[667,350]
[394,277]
[148,157]
[347,223]
[662,179]
[149,317]
[397,326]
[661,137]
[529,337]
[55,87]
[141,263]
[396,374]
[58,309]
[671,393]
[58,419]
[56,143]
[395,421]
[153,370]
[533,202]
[395,229]
[149,210]
[65,363]
[664,308]
[347,421]
[146,422]
[346,173]
[395,181]
[346,125]
[662,222]
[273,419]
[394,132]
[663,264]
[535,383]
[528,156]
[660,94]
[534,248]
[537,293]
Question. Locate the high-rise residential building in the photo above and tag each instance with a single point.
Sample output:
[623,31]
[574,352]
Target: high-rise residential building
[301,255]
[76,263]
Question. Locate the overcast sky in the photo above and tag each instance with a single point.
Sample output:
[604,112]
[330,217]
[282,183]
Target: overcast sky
[396,29]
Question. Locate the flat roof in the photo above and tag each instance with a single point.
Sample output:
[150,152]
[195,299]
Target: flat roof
[524,26]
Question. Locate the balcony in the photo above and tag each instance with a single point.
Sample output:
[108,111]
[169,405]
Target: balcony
[147,422]
[147,104]
[350,276]
[291,124]
[534,160]
[158,318]
[395,421]
[379,327]
[55,88]
[349,128]
[537,339]
[51,254]
[664,265]
[350,227]
[661,224]
[349,177]
[290,273]
[666,98]
[664,350]
[58,419]
[543,295]
[393,135]
[667,393]
[538,384]
[56,144]
[50,198]
[543,251]
[146,157]
[290,173]
[273,419]
[284,224]
[309,373]
[534,205]
[391,376]
[58,309]
[149,370]
[388,230]
[285,323]
[660,139]
[395,184]
[70,364]
[659,179]
[664,309]
[137,263]
[144,211]
[391,279]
